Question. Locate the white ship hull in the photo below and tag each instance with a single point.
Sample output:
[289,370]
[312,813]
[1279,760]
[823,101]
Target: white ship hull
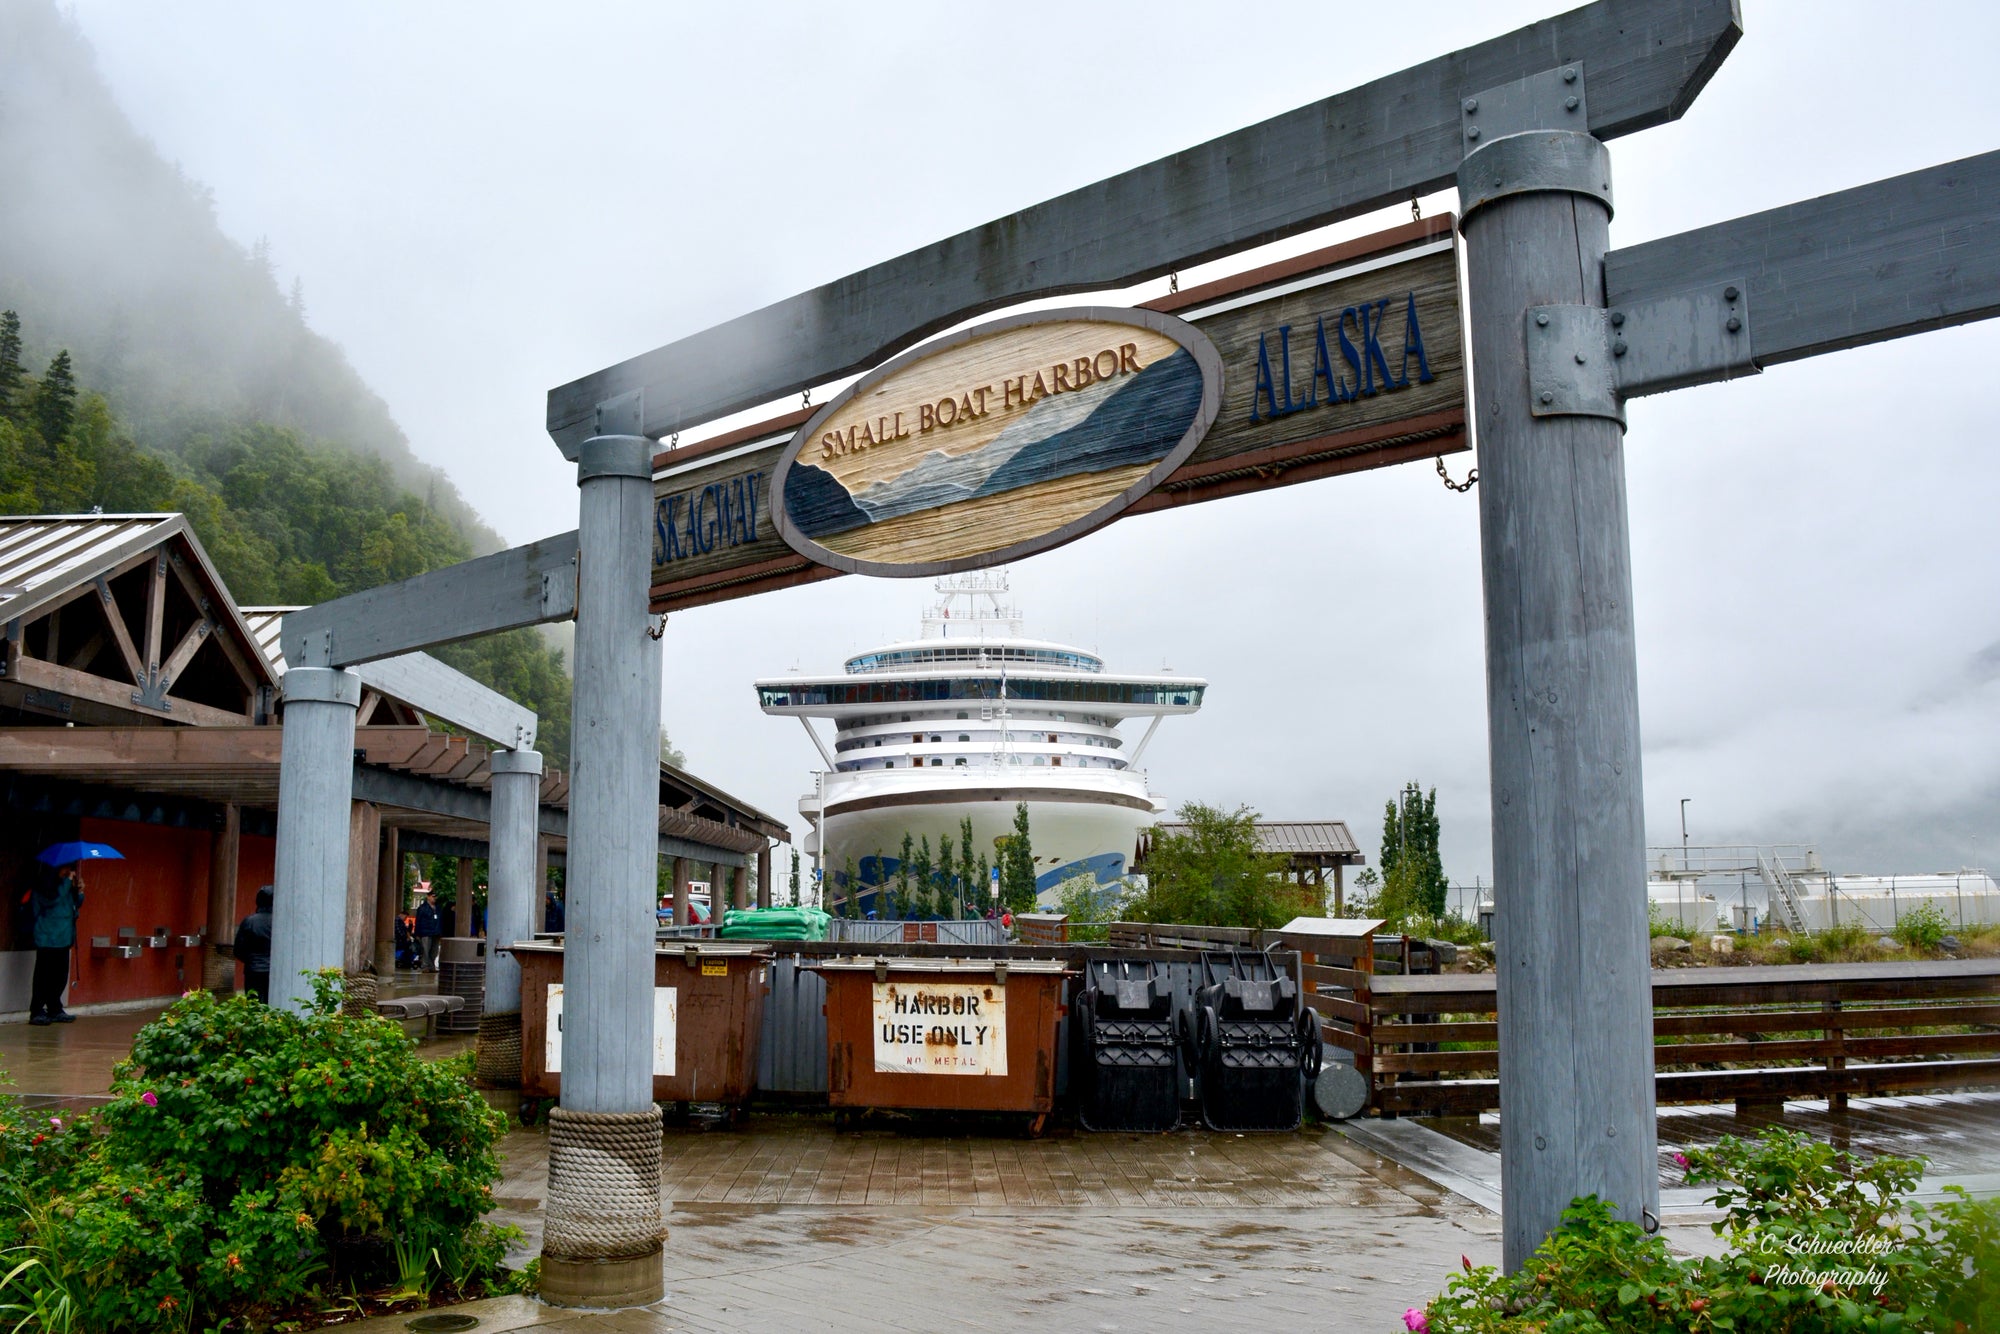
[1078,825]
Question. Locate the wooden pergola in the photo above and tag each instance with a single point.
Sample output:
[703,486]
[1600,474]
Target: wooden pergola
[1311,848]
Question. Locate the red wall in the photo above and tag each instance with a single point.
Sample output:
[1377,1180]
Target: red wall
[163,881]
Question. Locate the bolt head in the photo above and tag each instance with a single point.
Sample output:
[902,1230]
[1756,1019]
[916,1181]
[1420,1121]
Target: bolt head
[1472,132]
[1617,319]
[1730,293]
[1579,358]
[1547,397]
[1570,104]
[1471,104]
[1733,324]
[1569,74]
[1542,318]
[1618,348]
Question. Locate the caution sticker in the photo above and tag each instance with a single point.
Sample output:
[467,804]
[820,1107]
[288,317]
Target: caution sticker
[714,968]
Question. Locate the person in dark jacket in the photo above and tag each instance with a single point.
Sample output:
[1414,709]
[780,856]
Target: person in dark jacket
[552,919]
[253,948]
[55,909]
[430,930]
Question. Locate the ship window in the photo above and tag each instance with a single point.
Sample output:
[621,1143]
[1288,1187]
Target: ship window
[961,713]
[878,743]
[1052,738]
[963,736]
[934,736]
[959,760]
[1041,759]
[916,741]
[1057,761]
[937,764]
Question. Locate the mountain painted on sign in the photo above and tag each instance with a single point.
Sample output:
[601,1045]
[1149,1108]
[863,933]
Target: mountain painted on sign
[1112,426]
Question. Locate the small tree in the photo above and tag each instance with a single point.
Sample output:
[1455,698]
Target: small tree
[1410,840]
[947,877]
[1017,864]
[922,872]
[903,871]
[1214,874]
[972,879]
[10,362]
[984,899]
[55,400]
[851,900]
[796,901]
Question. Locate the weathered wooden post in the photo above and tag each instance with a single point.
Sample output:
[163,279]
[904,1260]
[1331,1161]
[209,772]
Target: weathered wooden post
[602,1231]
[388,903]
[1569,841]
[510,902]
[315,786]
[764,874]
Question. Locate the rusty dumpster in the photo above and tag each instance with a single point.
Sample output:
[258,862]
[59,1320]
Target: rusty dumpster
[943,1034]
[708,1017]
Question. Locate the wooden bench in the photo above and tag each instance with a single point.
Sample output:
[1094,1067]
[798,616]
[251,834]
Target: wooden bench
[426,1008]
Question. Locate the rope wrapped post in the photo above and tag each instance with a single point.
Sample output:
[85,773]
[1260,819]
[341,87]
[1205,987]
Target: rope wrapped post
[602,1230]
[357,995]
[601,1226]
[496,1053]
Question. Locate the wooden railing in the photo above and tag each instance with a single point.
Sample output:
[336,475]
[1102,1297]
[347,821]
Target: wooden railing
[1754,1035]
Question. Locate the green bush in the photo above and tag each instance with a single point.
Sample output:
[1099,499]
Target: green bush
[1819,1242]
[1923,927]
[249,1154]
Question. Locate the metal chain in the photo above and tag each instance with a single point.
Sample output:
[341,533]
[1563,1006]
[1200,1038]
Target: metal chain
[1416,210]
[674,441]
[1460,487]
[1173,282]
[805,398]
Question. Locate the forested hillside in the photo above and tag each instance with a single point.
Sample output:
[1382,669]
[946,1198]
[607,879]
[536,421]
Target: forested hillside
[155,364]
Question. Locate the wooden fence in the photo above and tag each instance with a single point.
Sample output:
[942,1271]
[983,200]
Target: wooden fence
[1756,1035]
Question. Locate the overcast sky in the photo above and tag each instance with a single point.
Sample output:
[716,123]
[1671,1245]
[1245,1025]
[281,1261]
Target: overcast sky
[485,200]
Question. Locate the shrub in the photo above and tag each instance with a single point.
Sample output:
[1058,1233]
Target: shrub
[1818,1242]
[1923,927]
[248,1151]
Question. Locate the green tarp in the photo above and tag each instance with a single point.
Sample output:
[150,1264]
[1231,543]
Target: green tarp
[774,924]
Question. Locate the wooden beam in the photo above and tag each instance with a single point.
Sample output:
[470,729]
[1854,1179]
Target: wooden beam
[119,632]
[1376,145]
[443,692]
[1902,256]
[364,831]
[68,681]
[191,642]
[156,611]
[218,963]
[527,585]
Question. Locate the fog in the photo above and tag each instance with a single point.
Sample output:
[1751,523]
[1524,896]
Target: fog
[483,201]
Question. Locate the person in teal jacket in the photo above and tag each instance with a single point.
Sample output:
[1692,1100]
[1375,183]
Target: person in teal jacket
[55,908]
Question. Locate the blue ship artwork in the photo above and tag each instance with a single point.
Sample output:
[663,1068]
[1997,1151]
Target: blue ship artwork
[1005,440]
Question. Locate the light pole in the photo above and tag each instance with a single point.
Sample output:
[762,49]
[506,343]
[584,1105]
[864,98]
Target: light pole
[1684,831]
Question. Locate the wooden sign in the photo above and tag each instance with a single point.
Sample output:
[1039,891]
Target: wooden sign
[996,443]
[1348,358]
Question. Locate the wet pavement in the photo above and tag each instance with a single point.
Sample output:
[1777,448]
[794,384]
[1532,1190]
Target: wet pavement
[784,1221]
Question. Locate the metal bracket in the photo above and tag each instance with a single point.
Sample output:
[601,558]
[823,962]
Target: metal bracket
[1585,362]
[1686,338]
[1570,364]
[623,415]
[1532,162]
[1551,100]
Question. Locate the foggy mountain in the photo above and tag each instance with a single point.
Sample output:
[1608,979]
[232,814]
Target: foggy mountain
[109,250]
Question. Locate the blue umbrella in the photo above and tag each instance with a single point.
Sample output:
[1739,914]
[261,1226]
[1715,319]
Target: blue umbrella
[62,854]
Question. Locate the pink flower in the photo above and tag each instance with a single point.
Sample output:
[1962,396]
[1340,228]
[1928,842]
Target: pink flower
[1681,1159]
[1416,1321]
[56,1121]
[150,1098]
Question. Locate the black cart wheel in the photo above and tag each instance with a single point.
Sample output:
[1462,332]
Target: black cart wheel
[530,1111]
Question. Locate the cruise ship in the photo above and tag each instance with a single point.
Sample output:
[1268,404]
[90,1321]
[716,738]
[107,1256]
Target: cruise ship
[967,721]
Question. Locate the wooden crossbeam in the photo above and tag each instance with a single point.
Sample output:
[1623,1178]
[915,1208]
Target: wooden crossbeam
[119,633]
[1376,145]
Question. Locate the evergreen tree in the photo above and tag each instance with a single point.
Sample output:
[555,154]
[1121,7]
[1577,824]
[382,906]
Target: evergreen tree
[972,883]
[1017,864]
[10,362]
[885,898]
[947,876]
[55,400]
[923,872]
[850,901]
[795,879]
[983,898]
[1411,865]
[903,873]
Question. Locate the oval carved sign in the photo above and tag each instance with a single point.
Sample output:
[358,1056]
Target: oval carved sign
[998,442]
